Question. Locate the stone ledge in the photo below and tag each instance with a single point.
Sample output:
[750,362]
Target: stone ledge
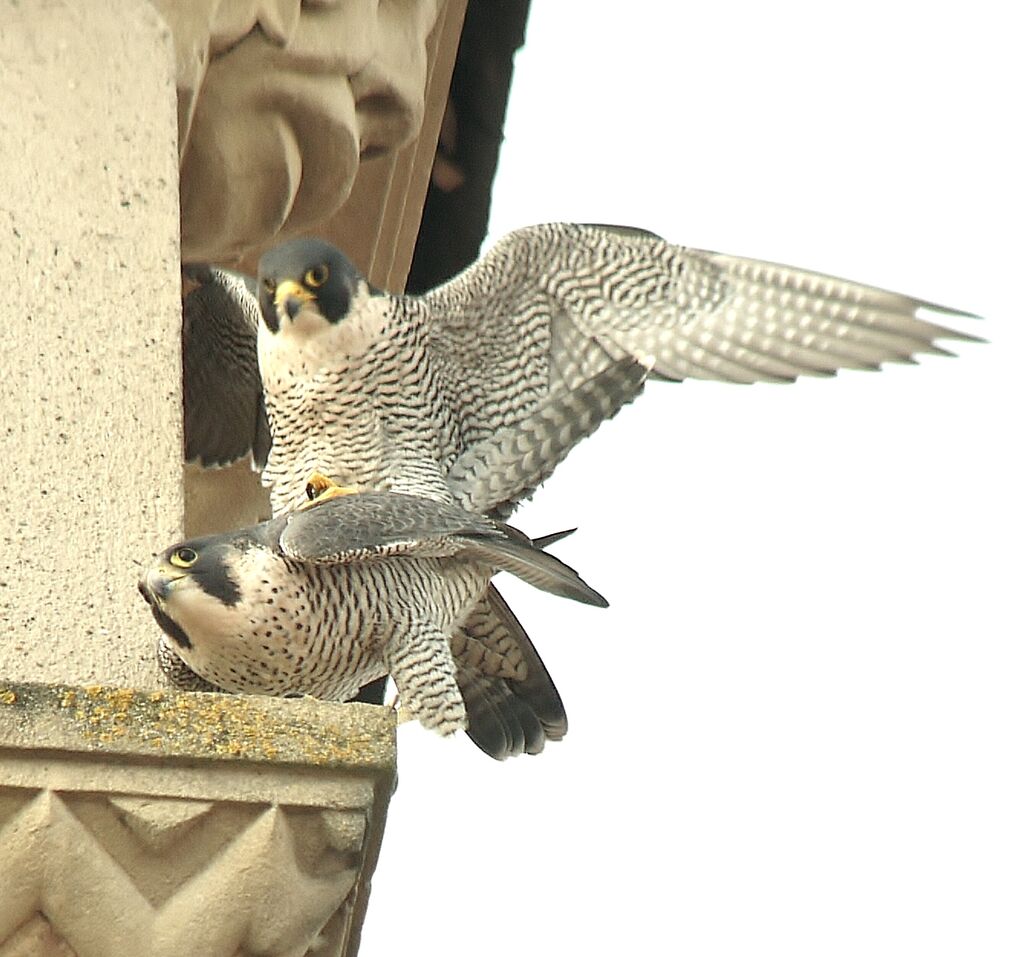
[169,822]
[181,724]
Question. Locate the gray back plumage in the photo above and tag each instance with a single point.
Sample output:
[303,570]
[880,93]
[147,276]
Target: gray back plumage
[356,527]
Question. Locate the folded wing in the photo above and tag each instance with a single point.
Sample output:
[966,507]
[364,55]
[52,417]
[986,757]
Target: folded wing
[225,419]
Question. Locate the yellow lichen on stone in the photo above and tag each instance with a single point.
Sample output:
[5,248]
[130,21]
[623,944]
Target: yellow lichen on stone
[240,727]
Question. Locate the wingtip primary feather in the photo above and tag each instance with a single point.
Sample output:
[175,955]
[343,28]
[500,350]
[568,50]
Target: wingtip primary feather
[944,332]
[949,311]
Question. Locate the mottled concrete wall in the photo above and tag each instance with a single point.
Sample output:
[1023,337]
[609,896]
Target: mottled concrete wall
[89,345]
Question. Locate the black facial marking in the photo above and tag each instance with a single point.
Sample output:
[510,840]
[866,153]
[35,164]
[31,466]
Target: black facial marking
[210,571]
[168,625]
[213,577]
[335,298]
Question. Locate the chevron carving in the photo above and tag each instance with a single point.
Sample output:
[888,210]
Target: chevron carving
[94,875]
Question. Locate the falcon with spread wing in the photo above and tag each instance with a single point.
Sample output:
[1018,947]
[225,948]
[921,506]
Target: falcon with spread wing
[475,391]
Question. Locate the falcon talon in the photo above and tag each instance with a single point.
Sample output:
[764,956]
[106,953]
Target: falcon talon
[316,484]
[319,488]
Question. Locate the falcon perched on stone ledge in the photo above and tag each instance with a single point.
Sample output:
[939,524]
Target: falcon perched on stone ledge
[322,600]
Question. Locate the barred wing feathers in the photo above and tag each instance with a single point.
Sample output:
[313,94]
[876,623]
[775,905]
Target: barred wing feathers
[559,325]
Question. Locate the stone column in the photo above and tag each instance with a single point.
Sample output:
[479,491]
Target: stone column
[135,820]
[89,389]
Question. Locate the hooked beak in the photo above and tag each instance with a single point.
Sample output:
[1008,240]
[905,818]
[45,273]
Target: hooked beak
[158,583]
[290,296]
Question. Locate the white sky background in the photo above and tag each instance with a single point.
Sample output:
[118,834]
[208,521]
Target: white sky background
[798,728]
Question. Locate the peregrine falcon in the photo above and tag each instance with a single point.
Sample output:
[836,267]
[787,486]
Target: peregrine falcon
[322,600]
[475,391]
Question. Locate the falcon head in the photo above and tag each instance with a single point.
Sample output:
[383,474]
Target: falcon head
[193,589]
[306,281]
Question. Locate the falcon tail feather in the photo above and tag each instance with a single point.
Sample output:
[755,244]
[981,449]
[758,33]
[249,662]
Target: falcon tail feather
[536,688]
[500,724]
[511,702]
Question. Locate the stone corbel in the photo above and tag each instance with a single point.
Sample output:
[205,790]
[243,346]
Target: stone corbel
[161,823]
[278,101]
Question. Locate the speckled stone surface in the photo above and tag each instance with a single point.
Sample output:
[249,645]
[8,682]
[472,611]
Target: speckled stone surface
[90,433]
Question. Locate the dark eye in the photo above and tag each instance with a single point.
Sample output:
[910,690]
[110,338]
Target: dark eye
[311,491]
[184,557]
[268,284]
[316,276]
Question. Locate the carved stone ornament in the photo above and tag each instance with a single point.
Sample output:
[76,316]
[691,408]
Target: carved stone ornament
[159,824]
[278,100]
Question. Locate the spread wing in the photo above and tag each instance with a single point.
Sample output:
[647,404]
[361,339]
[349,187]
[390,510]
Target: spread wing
[224,415]
[557,327]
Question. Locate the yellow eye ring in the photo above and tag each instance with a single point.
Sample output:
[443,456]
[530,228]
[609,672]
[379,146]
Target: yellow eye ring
[184,557]
[316,276]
